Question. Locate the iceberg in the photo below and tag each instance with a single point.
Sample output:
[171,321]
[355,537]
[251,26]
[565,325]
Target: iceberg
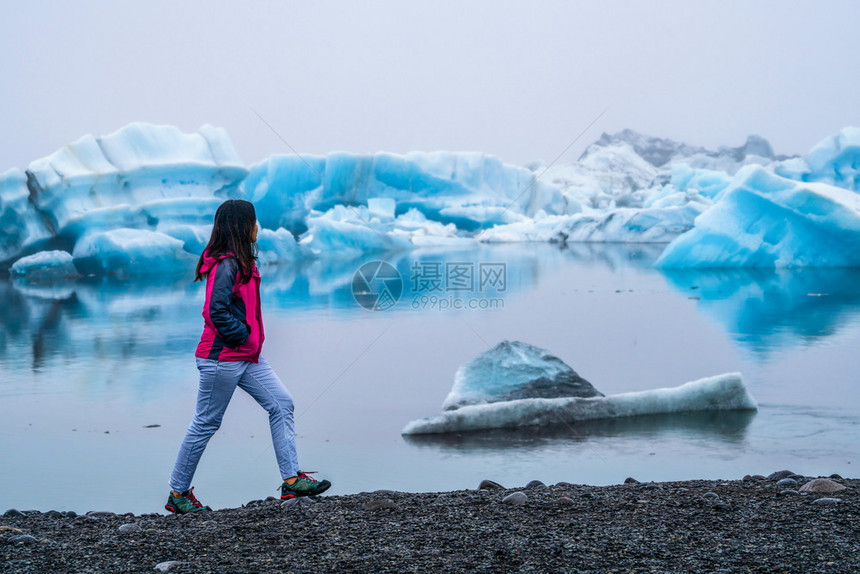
[127,252]
[512,370]
[764,220]
[45,267]
[347,232]
[126,177]
[623,225]
[468,189]
[835,161]
[141,178]
[726,392]
[20,225]
[518,385]
[626,187]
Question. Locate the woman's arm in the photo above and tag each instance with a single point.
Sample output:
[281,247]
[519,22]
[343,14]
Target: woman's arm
[222,310]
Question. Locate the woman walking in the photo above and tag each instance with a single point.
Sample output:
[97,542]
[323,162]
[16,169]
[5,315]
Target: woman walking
[228,356]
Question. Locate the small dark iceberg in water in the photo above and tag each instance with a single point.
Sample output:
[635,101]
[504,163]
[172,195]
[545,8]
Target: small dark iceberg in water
[514,370]
[517,385]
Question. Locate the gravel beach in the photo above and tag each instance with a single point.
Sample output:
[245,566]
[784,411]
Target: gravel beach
[779,523]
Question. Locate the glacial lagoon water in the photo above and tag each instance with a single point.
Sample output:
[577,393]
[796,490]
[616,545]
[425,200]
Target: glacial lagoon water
[98,382]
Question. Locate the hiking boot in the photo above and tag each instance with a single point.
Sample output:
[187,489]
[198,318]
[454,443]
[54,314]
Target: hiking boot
[184,503]
[304,486]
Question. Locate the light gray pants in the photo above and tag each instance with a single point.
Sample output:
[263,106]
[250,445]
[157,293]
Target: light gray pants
[218,380]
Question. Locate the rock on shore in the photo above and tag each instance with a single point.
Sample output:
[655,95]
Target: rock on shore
[748,525]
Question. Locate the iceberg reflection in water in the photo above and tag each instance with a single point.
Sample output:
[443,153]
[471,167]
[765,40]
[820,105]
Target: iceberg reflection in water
[728,427]
[764,309]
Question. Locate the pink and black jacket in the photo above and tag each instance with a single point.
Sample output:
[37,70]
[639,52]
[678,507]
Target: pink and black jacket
[233,323]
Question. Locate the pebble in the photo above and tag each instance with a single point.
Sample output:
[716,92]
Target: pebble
[780,474]
[70,514]
[490,485]
[13,512]
[54,514]
[564,501]
[297,502]
[787,483]
[4,528]
[22,539]
[167,566]
[823,485]
[753,477]
[535,484]
[630,480]
[130,527]
[835,476]
[710,495]
[589,495]
[826,501]
[101,514]
[379,504]
[788,492]
[565,485]
[516,498]
[651,486]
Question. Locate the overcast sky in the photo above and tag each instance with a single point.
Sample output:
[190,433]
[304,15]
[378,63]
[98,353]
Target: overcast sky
[518,79]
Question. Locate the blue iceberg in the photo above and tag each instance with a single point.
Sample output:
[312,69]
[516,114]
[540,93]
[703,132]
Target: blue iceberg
[764,220]
[148,193]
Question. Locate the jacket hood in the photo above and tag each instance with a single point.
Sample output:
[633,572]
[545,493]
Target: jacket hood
[209,261]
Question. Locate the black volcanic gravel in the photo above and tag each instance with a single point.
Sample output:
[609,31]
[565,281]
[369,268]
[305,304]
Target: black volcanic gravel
[692,526]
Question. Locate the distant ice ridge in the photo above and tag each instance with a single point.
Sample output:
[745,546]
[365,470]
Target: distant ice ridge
[518,385]
[470,190]
[633,188]
[145,195]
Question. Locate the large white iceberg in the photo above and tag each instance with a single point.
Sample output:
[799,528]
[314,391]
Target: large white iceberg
[719,393]
[141,179]
[126,177]
[764,220]
[519,385]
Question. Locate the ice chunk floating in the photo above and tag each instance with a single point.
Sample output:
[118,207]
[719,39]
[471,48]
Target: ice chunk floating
[515,370]
[719,393]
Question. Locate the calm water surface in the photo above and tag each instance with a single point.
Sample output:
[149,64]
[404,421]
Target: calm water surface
[98,382]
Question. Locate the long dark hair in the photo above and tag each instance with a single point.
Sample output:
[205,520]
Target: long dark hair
[235,222]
